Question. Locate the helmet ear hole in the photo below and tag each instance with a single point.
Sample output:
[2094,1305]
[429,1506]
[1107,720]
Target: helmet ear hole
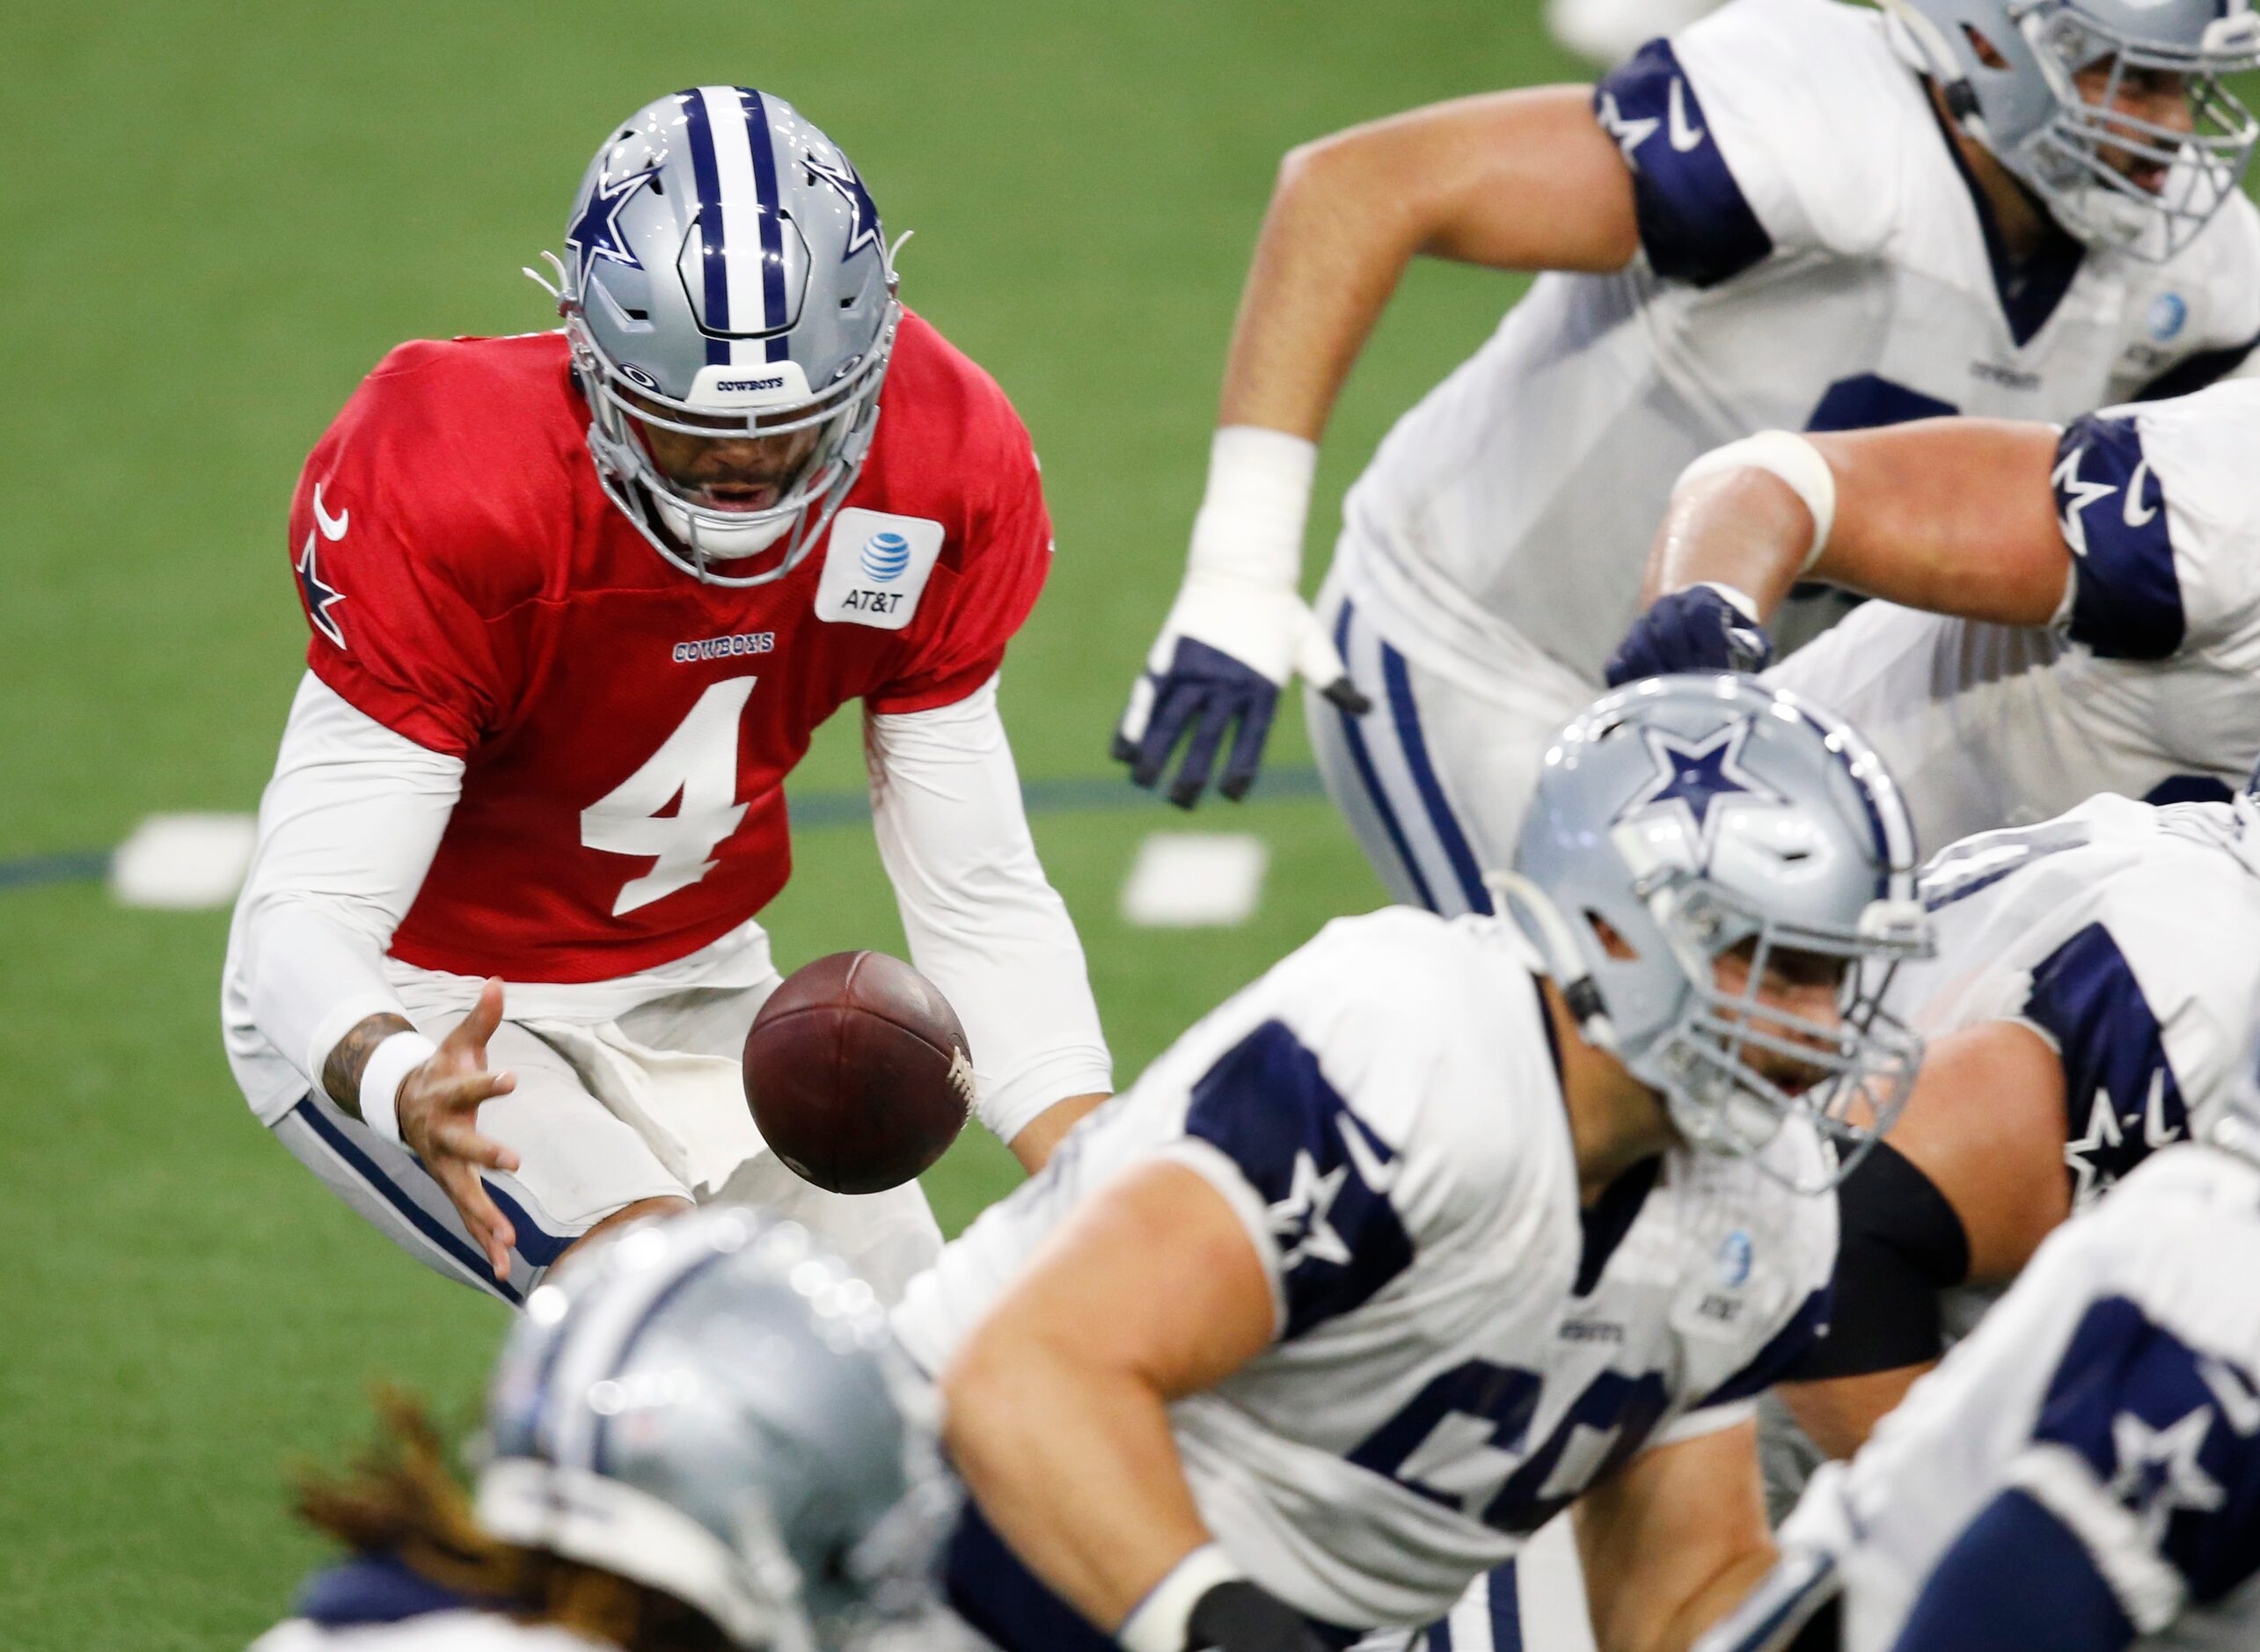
[1983,49]
[1613,939]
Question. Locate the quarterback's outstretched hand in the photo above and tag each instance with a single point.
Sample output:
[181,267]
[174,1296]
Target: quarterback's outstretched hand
[1237,630]
[1703,628]
[438,1111]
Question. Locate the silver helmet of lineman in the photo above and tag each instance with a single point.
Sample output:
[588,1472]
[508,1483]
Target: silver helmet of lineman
[712,1406]
[2008,70]
[1692,815]
[725,274]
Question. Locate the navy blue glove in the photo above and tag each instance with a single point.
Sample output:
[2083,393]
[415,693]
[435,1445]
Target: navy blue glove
[1208,692]
[1693,630]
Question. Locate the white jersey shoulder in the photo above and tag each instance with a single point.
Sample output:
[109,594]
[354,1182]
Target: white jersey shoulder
[2111,1400]
[463,1631]
[1459,1351]
[2118,933]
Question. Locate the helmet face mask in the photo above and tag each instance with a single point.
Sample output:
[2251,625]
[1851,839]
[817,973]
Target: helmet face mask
[1720,880]
[2056,90]
[726,276]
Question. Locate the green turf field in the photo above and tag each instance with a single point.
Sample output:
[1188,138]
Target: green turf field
[224,216]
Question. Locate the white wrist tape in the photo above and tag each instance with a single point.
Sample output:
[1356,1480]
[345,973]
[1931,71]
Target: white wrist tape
[1158,1623]
[388,1064]
[1741,601]
[1789,455]
[1252,516]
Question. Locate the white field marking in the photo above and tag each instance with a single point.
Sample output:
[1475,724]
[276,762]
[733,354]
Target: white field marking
[1195,879]
[184,863]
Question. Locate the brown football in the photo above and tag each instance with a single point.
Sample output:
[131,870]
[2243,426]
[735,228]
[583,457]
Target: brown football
[858,1073]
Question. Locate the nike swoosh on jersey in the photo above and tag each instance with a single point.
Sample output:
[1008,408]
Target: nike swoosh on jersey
[332,527]
[1683,137]
[2135,513]
[1375,1175]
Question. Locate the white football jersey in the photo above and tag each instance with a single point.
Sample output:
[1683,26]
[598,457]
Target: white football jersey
[1814,257]
[2101,1432]
[2123,935]
[2148,686]
[1459,1351]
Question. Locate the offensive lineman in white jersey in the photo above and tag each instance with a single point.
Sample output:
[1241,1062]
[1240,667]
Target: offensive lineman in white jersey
[1417,1240]
[2095,989]
[2083,1472]
[2091,598]
[1796,214]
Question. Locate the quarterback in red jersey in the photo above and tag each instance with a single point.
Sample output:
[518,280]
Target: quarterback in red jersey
[578,602]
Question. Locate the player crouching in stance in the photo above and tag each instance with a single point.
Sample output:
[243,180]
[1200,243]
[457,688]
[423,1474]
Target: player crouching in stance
[701,1438]
[2083,1472]
[579,600]
[1444,1224]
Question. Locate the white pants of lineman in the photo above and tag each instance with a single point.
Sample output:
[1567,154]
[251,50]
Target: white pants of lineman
[1435,778]
[604,1115]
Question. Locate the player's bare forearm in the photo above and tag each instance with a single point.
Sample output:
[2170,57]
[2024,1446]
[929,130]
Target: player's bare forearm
[1034,1145]
[1056,1407]
[1674,1540]
[1839,1414]
[1951,515]
[1521,180]
[342,1068]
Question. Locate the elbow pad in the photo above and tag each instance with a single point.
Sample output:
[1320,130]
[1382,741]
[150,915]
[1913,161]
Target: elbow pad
[1902,1244]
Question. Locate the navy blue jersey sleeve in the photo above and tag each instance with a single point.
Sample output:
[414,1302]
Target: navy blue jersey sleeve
[2121,1100]
[2017,1578]
[2127,602]
[1695,223]
[2168,1436]
[1324,1175]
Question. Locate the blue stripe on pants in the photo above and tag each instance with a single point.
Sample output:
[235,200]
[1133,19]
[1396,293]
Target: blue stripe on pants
[470,1262]
[1363,762]
[1399,682]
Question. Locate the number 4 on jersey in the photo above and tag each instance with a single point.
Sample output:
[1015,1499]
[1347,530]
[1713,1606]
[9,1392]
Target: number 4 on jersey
[697,764]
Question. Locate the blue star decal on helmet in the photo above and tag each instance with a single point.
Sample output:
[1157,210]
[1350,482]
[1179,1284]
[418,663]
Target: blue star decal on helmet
[320,597]
[595,233]
[863,216]
[1695,777]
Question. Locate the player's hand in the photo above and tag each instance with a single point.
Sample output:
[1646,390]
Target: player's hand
[1242,1617]
[1699,629]
[438,1109]
[1227,648]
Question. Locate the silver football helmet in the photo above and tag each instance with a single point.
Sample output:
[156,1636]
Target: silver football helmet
[2027,109]
[1694,815]
[726,276]
[712,1406]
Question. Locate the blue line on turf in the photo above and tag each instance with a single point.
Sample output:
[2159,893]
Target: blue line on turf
[1083,796]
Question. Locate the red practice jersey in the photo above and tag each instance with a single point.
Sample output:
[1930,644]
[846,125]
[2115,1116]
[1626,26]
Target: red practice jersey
[626,728]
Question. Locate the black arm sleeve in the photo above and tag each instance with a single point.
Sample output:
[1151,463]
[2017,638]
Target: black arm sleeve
[1901,1243]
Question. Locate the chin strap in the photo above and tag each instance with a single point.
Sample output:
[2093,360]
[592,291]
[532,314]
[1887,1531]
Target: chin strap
[1541,923]
[1924,47]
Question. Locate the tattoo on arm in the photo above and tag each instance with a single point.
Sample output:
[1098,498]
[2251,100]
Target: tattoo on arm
[341,1072]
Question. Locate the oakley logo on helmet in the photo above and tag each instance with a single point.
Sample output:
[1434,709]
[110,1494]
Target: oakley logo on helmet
[637,375]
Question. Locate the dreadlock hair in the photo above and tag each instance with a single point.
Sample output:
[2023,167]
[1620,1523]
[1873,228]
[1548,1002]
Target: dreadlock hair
[399,1497]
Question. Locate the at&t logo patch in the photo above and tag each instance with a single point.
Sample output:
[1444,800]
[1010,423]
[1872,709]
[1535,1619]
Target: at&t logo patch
[875,568]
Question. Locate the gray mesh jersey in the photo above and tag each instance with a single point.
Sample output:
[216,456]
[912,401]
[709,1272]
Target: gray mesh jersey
[2148,685]
[1812,259]
[1457,1353]
[2094,1448]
